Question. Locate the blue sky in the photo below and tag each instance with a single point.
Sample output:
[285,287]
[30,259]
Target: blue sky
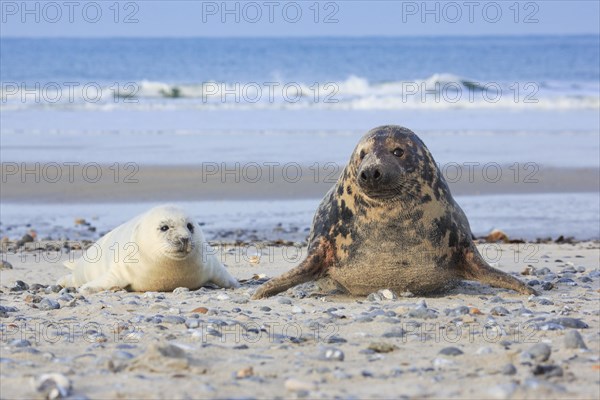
[301,18]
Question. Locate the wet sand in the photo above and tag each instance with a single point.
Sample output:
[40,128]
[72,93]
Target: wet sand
[46,183]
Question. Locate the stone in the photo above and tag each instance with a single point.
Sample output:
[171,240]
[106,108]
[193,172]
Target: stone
[539,352]
[573,340]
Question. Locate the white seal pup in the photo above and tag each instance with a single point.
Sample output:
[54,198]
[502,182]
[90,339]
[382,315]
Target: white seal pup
[160,250]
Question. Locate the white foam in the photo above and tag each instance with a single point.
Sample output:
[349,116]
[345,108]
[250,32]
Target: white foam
[439,91]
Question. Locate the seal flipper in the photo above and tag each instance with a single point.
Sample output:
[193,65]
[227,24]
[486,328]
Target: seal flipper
[312,268]
[223,278]
[104,282]
[476,269]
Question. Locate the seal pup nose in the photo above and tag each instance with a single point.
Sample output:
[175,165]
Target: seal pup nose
[185,243]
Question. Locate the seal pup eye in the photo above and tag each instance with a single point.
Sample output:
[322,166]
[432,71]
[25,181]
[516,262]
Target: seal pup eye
[164,228]
[398,152]
[190,227]
[362,154]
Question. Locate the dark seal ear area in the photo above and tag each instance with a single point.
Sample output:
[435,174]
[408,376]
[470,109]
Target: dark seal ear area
[476,269]
[313,267]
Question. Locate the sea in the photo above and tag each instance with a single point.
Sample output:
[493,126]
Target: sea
[490,100]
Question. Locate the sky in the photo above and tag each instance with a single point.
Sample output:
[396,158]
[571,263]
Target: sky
[267,18]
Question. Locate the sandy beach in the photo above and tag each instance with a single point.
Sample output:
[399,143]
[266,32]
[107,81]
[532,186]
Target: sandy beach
[475,342]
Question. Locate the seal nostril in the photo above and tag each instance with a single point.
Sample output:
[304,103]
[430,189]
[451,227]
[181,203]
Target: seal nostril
[363,176]
[376,174]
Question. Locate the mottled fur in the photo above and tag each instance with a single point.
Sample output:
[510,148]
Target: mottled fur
[391,222]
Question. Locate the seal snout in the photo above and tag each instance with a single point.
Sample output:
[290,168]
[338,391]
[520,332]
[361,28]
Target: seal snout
[370,174]
[184,244]
[373,176]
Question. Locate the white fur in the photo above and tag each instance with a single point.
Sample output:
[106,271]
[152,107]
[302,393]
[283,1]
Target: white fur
[138,256]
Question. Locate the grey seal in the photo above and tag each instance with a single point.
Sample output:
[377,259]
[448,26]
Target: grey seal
[390,221]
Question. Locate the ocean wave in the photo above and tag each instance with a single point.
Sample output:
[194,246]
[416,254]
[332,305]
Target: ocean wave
[439,91]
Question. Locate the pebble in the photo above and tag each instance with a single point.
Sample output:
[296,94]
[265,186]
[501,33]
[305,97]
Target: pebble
[296,385]
[335,339]
[48,304]
[244,373]
[548,371]
[53,386]
[566,281]
[5,265]
[458,311]
[568,322]
[32,298]
[173,319]
[573,340]
[509,369]
[388,294]
[499,311]
[442,362]
[201,310]
[528,270]
[265,308]
[223,296]
[27,238]
[524,312]
[544,301]
[284,300]
[542,271]
[20,343]
[122,355]
[7,309]
[331,354]
[502,391]
[484,350]
[536,384]
[165,357]
[192,323]
[394,333]
[423,312]
[547,286]
[382,347]
[19,286]
[181,290]
[66,297]
[341,375]
[539,352]
[239,299]
[375,297]
[298,310]
[451,351]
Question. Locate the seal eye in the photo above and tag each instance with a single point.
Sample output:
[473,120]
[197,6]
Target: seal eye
[190,227]
[164,228]
[362,154]
[398,152]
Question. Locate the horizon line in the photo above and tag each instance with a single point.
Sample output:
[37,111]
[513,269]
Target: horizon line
[368,36]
